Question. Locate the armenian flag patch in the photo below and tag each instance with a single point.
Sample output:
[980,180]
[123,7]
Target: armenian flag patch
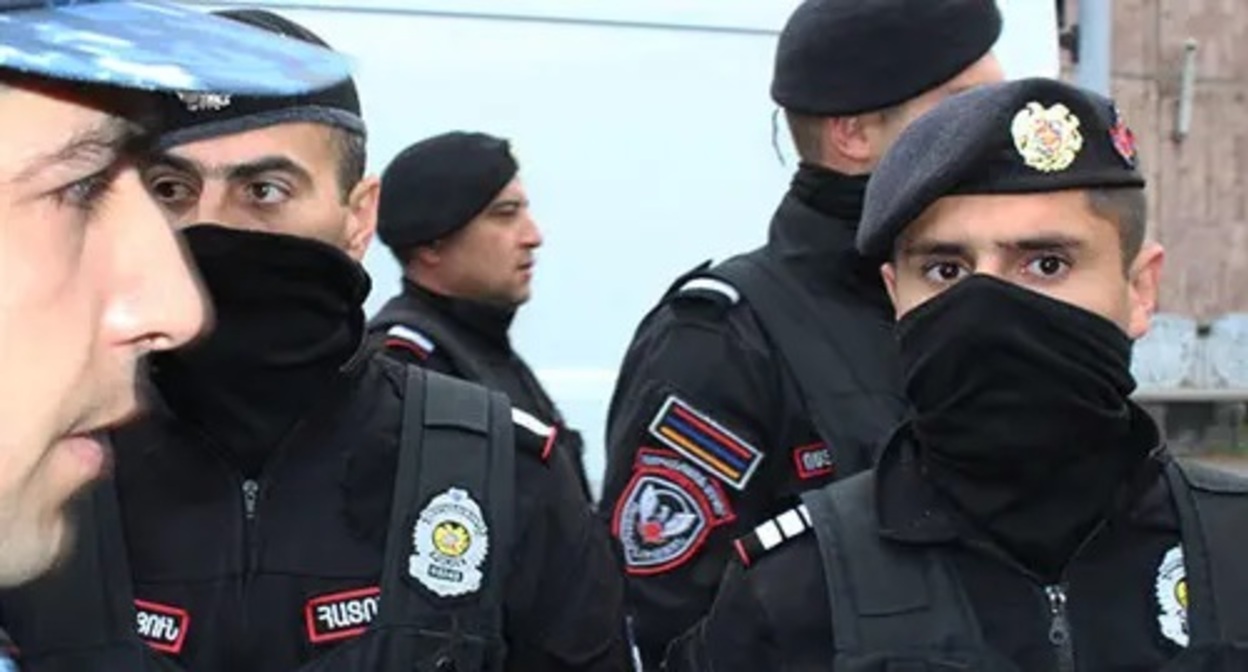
[705,442]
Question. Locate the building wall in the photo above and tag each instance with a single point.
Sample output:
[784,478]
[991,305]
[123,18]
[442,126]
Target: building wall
[1198,200]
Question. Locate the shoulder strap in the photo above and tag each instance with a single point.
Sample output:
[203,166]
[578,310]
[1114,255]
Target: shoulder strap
[81,615]
[451,525]
[1212,506]
[885,598]
[396,313]
[779,300]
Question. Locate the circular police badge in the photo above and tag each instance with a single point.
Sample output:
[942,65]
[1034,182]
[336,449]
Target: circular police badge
[1172,596]
[451,541]
[1048,139]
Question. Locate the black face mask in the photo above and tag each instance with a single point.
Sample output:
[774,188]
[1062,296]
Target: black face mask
[288,316]
[1021,412]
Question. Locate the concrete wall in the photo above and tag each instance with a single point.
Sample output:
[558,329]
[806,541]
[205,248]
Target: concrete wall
[1198,200]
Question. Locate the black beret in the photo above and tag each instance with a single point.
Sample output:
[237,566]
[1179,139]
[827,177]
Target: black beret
[438,185]
[1024,136]
[188,117]
[845,57]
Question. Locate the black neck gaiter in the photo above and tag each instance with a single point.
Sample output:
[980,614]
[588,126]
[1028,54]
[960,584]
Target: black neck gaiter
[830,193]
[288,316]
[1021,413]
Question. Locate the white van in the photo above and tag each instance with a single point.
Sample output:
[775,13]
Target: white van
[644,131]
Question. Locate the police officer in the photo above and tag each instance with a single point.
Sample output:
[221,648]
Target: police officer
[295,501]
[1028,517]
[774,371]
[455,214]
[91,278]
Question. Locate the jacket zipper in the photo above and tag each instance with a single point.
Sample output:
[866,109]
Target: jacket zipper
[1059,628]
[251,498]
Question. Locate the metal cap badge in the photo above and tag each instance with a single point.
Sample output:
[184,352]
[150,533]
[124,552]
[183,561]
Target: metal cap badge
[1047,138]
[158,46]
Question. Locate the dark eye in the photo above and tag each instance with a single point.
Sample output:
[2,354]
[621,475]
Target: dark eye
[267,193]
[943,272]
[169,190]
[1048,266]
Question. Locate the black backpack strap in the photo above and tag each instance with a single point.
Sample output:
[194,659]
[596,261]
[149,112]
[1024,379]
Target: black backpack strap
[451,528]
[81,615]
[1213,507]
[779,300]
[886,599]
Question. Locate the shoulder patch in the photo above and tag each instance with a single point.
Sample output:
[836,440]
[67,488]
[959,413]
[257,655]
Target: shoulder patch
[536,436]
[710,288]
[772,533]
[407,338]
[705,442]
[666,513]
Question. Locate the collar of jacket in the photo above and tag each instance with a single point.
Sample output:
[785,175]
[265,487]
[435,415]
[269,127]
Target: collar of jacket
[489,322]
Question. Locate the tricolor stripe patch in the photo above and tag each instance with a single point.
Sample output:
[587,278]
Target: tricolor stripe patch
[770,534]
[409,339]
[705,442]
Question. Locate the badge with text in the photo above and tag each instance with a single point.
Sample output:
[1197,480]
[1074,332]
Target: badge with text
[340,615]
[666,513]
[813,461]
[451,541]
[1047,138]
[1172,596]
[161,626]
[705,442]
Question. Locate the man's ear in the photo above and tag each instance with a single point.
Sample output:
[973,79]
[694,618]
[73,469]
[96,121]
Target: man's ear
[848,137]
[1143,286]
[888,273]
[362,216]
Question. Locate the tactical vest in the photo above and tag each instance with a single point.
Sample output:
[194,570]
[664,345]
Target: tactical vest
[431,333]
[455,438]
[852,407]
[902,608]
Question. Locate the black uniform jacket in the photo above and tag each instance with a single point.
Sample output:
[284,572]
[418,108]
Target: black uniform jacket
[1116,595]
[482,332]
[703,370]
[258,572]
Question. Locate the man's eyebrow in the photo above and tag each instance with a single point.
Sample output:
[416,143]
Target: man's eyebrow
[233,172]
[97,146]
[267,164]
[934,248]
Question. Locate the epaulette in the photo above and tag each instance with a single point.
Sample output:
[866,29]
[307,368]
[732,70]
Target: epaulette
[705,288]
[407,338]
[534,436]
[772,534]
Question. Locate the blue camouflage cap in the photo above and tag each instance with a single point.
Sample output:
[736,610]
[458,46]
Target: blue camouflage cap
[158,46]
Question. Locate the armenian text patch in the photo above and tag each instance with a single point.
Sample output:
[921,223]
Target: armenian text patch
[340,615]
[163,627]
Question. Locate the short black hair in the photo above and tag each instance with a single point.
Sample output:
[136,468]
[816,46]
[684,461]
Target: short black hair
[1128,209]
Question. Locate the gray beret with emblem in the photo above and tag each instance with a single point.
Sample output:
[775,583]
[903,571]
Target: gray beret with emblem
[158,46]
[1023,136]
